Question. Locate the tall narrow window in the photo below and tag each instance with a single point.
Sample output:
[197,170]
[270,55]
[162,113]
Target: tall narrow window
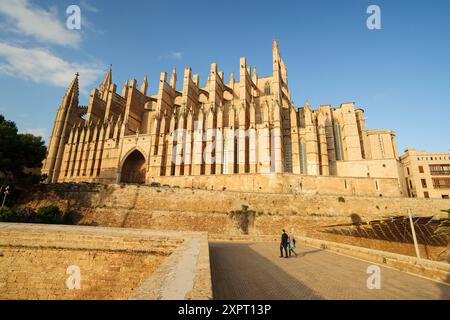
[267,89]
[337,141]
[303,167]
[424,183]
[288,155]
[225,155]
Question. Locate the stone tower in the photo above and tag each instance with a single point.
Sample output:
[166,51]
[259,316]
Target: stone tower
[66,116]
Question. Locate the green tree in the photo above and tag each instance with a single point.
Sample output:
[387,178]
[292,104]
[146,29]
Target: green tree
[18,151]
[34,150]
[8,146]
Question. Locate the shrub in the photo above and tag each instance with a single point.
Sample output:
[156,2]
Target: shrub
[244,218]
[27,215]
[17,214]
[356,219]
[444,227]
[341,199]
[7,215]
[71,217]
[49,214]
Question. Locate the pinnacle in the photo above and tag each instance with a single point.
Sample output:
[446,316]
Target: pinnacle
[107,80]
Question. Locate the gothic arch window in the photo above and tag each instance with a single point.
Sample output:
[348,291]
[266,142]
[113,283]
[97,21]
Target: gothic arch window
[267,89]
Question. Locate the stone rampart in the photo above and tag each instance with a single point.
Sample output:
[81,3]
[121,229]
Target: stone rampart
[36,262]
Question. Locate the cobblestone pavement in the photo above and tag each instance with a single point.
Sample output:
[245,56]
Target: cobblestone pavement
[254,271]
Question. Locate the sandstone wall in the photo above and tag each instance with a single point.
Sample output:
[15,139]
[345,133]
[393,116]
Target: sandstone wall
[211,211]
[40,273]
[288,183]
[113,263]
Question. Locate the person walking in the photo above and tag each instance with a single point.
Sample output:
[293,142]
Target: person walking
[284,244]
[292,245]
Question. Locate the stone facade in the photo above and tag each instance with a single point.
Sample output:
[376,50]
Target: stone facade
[245,126]
[426,174]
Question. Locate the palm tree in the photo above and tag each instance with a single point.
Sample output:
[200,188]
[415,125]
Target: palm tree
[444,228]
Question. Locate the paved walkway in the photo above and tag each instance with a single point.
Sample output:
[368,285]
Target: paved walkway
[255,272]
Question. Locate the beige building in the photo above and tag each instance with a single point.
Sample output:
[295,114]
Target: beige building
[425,174]
[246,125]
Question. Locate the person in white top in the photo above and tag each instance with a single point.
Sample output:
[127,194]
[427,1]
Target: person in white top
[291,244]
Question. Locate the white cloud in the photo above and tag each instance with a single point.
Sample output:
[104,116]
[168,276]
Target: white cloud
[86,5]
[39,132]
[177,55]
[173,55]
[42,66]
[43,25]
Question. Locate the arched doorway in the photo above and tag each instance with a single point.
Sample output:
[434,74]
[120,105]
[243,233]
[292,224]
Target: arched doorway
[133,169]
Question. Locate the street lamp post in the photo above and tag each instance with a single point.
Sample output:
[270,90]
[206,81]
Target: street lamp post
[414,234]
[5,194]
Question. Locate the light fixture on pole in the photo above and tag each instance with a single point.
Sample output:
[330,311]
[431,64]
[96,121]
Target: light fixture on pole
[5,194]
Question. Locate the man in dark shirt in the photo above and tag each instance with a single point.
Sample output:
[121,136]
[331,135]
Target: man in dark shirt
[284,244]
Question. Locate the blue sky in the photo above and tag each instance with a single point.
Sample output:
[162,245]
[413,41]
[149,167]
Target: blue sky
[400,74]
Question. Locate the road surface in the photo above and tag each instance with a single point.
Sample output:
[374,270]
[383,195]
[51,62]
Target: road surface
[254,271]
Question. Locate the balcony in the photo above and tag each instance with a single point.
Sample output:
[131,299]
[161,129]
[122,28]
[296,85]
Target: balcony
[440,169]
[441,183]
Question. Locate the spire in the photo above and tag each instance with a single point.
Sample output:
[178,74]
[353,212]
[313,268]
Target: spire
[125,89]
[275,52]
[196,79]
[173,78]
[104,86]
[71,96]
[73,87]
[144,86]
[254,75]
[307,104]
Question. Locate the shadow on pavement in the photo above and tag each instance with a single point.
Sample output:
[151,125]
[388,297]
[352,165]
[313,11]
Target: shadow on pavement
[309,252]
[239,273]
